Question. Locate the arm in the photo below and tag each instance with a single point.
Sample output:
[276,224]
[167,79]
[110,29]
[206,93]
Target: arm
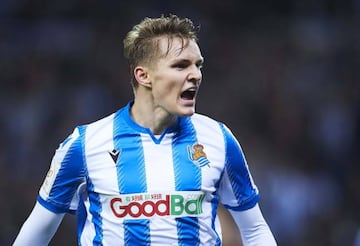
[253,227]
[230,232]
[58,194]
[239,194]
[39,228]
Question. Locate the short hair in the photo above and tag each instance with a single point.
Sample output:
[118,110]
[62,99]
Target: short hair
[141,44]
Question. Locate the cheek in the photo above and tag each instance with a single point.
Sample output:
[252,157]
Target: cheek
[167,93]
[166,88]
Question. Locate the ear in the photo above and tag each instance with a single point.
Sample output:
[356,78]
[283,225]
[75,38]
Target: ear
[142,76]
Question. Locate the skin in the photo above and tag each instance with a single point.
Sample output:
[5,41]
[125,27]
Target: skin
[230,232]
[158,101]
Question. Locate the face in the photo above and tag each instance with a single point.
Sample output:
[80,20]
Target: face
[176,77]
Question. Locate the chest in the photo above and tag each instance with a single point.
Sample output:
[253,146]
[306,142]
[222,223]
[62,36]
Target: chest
[138,164]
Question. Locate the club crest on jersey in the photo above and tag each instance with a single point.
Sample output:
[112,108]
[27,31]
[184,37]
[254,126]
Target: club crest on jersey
[197,155]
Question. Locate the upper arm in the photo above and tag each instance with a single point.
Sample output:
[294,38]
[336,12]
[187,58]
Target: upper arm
[67,172]
[237,190]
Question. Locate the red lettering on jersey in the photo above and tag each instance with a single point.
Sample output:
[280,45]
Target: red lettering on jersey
[136,209]
[175,205]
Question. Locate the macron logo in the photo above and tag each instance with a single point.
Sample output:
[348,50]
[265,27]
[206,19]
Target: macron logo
[114,154]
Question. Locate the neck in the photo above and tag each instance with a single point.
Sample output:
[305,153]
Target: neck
[146,114]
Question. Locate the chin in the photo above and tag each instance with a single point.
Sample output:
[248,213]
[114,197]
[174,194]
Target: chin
[185,109]
[188,112]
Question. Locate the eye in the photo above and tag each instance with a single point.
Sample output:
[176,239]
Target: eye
[200,65]
[180,65]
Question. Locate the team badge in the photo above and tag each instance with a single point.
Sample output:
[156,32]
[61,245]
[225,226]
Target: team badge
[197,155]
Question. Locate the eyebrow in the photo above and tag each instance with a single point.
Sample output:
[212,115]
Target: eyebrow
[201,60]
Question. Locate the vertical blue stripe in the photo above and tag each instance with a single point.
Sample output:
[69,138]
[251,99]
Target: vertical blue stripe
[82,215]
[130,174]
[95,210]
[238,172]
[187,177]
[137,232]
[187,173]
[68,178]
[130,164]
[81,212]
[94,198]
[214,207]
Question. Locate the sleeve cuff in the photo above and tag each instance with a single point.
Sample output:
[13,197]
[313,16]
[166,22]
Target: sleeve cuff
[48,204]
[247,205]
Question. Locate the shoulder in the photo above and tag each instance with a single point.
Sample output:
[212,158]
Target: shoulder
[214,129]
[100,123]
[108,123]
[86,131]
[208,123]
[208,129]
[203,119]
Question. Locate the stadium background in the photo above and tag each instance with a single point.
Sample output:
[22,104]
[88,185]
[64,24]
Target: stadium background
[283,75]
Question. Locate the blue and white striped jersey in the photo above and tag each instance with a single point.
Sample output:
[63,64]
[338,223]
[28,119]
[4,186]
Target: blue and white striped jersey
[130,187]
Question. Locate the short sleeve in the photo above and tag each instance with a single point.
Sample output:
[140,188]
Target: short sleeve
[58,192]
[237,190]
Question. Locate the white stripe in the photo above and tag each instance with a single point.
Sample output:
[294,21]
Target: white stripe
[210,136]
[115,230]
[89,231]
[160,177]
[98,143]
[158,164]
[229,197]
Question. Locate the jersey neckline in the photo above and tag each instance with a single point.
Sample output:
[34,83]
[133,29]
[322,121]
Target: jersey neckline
[156,138]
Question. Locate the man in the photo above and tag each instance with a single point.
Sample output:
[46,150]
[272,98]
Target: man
[154,172]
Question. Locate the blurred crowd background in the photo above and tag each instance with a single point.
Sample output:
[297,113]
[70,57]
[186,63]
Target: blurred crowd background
[283,75]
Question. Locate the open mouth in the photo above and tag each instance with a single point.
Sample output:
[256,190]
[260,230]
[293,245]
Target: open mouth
[188,94]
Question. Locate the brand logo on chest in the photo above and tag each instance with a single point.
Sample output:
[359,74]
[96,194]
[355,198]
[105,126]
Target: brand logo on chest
[114,154]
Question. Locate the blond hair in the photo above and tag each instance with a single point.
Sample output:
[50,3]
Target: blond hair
[141,44]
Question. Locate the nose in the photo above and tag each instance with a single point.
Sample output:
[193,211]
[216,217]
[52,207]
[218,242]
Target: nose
[195,74]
